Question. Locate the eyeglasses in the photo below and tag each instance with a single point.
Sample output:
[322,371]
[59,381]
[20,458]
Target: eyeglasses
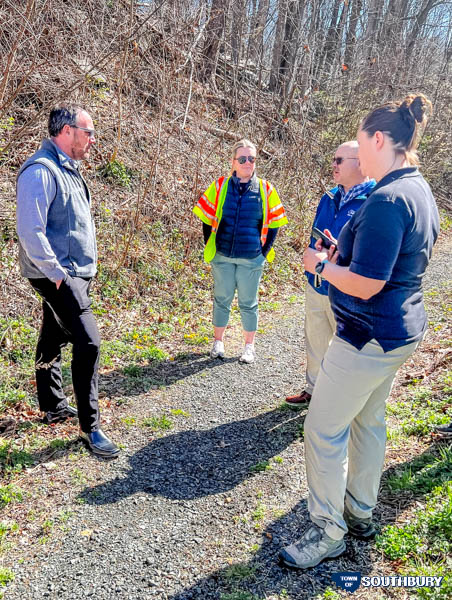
[242,159]
[340,159]
[91,132]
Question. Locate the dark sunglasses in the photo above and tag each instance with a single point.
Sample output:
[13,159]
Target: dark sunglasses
[242,159]
[340,159]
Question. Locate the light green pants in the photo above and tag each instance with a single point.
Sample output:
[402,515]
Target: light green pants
[243,274]
[345,431]
[319,328]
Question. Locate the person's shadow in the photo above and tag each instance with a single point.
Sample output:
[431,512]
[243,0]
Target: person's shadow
[135,380]
[196,463]
[263,576]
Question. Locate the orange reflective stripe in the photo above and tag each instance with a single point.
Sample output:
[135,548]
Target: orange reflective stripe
[205,212]
[206,207]
[264,230]
[207,201]
[276,213]
[218,185]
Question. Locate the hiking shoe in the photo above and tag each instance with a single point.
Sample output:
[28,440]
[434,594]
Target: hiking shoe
[444,431]
[59,416]
[299,400]
[217,349]
[311,549]
[249,354]
[363,529]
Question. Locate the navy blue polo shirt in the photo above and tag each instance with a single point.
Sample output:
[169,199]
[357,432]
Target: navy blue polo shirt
[389,238]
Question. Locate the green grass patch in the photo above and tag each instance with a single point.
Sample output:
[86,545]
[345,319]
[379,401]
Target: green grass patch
[10,493]
[18,338]
[260,466]
[419,412]
[133,349]
[17,348]
[238,595]
[162,423]
[178,412]
[269,305]
[328,594]
[445,220]
[196,339]
[116,172]
[6,529]
[424,473]
[13,459]
[424,545]
[258,513]
[239,572]
[6,576]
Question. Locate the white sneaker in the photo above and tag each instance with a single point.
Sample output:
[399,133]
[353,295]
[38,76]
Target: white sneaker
[249,354]
[217,349]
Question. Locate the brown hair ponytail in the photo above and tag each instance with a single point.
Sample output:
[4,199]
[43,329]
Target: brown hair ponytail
[403,121]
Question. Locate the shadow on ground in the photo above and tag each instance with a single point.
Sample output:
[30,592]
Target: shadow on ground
[136,380]
[196,463]
[264,577]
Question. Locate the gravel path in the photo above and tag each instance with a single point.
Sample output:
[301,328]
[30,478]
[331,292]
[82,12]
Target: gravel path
[225,486]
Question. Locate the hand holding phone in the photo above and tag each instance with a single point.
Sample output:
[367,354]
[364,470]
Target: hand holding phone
[319,235]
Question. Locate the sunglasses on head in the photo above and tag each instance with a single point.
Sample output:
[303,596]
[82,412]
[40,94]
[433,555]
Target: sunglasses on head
[242,159]
[340,159]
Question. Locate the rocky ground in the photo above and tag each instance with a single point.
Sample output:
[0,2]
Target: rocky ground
[200,501]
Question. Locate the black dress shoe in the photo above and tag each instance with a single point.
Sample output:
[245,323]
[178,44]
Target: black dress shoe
[99,444]
[58,416]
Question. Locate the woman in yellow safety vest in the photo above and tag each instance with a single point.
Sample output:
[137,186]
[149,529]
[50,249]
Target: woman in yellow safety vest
[241,215]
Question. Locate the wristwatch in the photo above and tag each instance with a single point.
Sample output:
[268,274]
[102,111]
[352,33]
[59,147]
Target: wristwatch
[320,266]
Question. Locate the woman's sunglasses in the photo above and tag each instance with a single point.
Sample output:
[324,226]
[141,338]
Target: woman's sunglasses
[242,159]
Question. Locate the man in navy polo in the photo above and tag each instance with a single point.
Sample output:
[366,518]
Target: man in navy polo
[335,209]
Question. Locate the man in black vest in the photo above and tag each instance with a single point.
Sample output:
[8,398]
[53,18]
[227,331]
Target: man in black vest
[58,254]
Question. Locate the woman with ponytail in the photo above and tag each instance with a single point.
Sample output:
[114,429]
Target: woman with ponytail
[375,276]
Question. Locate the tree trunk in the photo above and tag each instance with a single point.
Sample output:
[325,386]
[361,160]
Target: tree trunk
[292,36]
[214,34]
[257,33]
[331,41]
[350,42]
[277,46]
[237,26]
[374,18]
[419,23]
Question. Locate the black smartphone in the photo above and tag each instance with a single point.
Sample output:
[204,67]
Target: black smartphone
[319,235]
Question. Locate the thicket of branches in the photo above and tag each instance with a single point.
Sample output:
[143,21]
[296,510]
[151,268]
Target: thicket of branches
[171,83]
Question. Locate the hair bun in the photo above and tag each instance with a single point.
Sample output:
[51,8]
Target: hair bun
[418,105]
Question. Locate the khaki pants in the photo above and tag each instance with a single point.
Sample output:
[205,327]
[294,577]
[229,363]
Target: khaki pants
[345,431]
[319,327]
